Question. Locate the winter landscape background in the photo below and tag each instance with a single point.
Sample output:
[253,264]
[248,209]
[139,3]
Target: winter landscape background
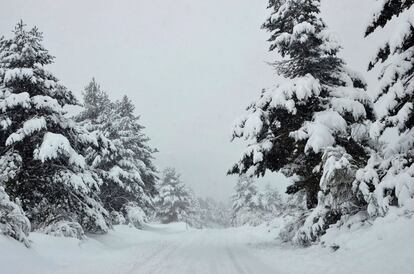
[207,137]
[156,57]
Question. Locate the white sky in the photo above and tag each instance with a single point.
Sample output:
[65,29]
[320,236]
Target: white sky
[190,66]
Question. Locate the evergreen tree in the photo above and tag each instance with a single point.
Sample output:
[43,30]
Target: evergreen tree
[125,165]
[174,201]
[134,139]
[194,214]
[96,102]
[388,179]
[247,207]
[40,149]
[317,103]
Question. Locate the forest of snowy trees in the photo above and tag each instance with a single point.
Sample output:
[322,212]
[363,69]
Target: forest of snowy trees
[348,152]
[67,174]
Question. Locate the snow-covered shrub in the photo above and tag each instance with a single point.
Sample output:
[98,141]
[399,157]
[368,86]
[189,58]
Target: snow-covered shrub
[134,215]
[346,225]
[65,229]
[13,221]
[117,218]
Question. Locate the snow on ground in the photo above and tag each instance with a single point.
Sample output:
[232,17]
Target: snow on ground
[385,247]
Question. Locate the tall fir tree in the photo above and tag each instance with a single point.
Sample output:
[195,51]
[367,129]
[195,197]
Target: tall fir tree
[316,104]
[96,102]
[40,149]
[388,179]
[174,201]
[132,134]
[125,164]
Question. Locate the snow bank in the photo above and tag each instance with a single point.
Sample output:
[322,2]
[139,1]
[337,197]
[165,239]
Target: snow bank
[65,229]
[135,216]
[384,246]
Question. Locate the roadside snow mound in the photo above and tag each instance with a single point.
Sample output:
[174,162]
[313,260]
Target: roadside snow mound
[135,216]
[65,229]
[384,233]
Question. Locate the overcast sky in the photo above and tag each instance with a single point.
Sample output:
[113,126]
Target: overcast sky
[190,66]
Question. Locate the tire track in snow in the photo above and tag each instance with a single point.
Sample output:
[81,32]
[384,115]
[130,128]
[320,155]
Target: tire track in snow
[178,263]
[168,247]
[234,262]
[247,262]
[198,252]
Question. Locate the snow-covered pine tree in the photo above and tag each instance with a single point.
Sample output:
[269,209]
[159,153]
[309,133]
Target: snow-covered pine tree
[134,139]
[194,214]
[96,103]
[132,162]
[125,165]
[317,103]
[388,179]
[174,200]
[246,203]
[40,149]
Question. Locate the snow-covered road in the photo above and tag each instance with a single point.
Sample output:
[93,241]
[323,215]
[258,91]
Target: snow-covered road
[200,251]
[172,249]
[157,249]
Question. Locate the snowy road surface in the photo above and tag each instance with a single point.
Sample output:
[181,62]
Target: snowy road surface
[170,249]
[160,249]
[199,251]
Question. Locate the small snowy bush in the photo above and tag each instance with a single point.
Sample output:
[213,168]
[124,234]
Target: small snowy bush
[117,218]
[13,222]
[65,229]
[134,215]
